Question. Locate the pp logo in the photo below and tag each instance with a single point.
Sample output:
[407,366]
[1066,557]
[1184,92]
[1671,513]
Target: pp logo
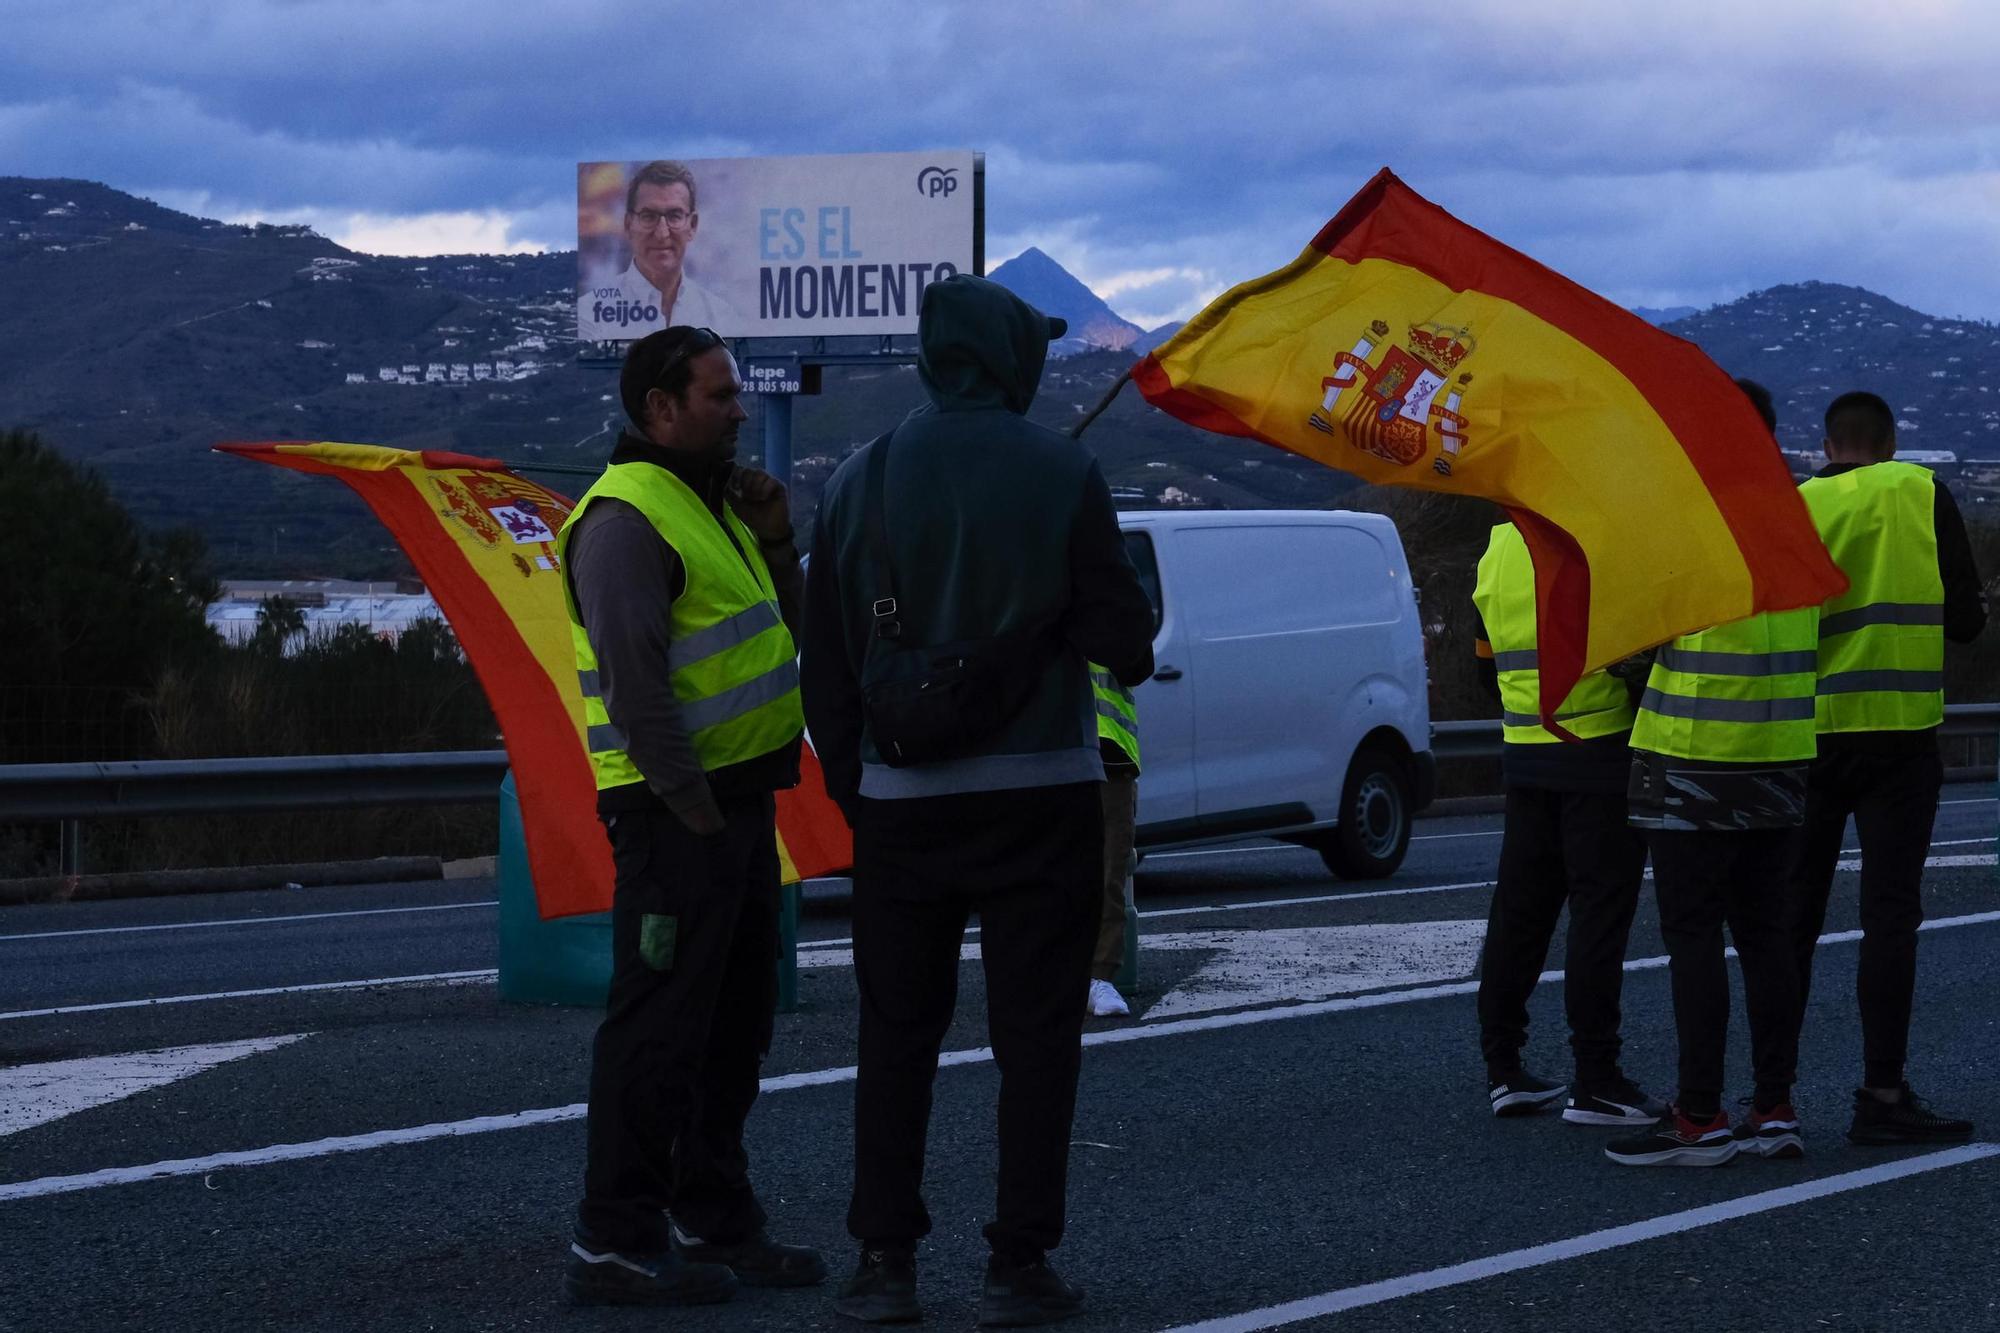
[937,182]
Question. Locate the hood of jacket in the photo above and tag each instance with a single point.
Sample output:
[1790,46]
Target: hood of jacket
[979,346]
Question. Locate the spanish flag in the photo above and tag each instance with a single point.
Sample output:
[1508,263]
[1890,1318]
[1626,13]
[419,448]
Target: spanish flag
[483,539]
[1409,349]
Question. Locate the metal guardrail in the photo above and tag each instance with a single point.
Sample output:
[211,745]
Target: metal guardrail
[31,792]
[72,792]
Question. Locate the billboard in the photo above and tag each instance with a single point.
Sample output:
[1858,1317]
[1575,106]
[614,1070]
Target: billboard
[771,246]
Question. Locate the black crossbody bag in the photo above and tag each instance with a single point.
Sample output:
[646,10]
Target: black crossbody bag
[937,701]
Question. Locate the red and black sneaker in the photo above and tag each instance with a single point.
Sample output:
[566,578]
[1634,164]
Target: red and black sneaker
[1772,1133]
[1678,1141]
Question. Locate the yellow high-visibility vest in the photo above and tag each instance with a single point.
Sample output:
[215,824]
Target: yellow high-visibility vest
[1117,712]
[1598,705]
[1881,643]
[1740,693]
[731,661]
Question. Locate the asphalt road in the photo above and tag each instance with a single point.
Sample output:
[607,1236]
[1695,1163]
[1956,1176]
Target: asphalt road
[1293,1126]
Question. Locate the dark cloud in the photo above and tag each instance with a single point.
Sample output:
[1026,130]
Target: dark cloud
[1675,153]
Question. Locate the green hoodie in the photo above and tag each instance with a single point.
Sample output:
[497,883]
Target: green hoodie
[995,525]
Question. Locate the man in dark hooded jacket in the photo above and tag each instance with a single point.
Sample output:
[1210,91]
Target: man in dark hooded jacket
[995,527]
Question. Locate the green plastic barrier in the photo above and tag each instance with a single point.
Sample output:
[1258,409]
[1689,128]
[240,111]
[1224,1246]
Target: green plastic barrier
[568,960]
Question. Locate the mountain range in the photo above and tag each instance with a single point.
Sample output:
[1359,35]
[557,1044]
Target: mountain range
[134,337]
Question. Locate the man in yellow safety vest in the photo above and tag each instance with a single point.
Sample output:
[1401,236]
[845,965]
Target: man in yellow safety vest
[1895,532]
[1719,756]
[1118,745]
[683,587]
[1565,842]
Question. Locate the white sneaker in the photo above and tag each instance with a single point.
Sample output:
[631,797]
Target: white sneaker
[1105,1001]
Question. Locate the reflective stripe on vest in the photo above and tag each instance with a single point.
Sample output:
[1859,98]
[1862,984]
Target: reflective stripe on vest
[1598,705]
[1881,643]
[731,661]
[1739,693]
[1117,712]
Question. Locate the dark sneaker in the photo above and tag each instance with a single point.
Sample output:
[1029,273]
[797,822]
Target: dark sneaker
[1772,1133]
[758,1261]
[1021,1295]
[1677,1141]
[1619,1102]
[1908,1119]
[596,1276]
[883,1289]
[1521,1093]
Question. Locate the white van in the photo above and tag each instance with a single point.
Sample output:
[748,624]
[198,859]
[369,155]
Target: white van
[1289,696]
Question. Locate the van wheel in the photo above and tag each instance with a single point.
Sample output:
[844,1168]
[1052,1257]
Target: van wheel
[1374,829]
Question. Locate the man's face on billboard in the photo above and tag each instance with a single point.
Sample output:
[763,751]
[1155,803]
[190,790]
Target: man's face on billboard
[660,225]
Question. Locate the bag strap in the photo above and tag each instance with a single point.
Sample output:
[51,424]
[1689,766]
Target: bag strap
[888,620]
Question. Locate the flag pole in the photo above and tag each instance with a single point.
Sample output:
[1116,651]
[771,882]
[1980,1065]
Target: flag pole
[1102,403]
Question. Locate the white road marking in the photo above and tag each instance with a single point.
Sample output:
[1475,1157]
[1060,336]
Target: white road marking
[1253,905]
[1314,962]
[827,947]
[423,979]
[1348,897]
[1220,851]
[840,953]
[968,952]
[243,921]
[1972,800]
[1596,1242]
[289,1152]
[1937,862]
[36,1094]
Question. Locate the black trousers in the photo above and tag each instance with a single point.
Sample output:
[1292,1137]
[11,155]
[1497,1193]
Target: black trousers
[1894,801]
[1738,876]
[1560,847]
[694,941]
[1029,862]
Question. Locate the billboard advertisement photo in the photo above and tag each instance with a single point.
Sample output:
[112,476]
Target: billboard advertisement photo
[771,246]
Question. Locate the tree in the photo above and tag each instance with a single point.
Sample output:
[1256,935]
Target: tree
[278,620]
[91,609]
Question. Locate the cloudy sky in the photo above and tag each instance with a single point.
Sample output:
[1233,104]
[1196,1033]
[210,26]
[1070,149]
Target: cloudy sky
[1678,152]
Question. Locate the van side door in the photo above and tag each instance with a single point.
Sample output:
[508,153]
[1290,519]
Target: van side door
[1285,621]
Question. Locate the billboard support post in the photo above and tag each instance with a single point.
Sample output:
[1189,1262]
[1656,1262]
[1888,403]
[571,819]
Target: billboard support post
[776,409]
